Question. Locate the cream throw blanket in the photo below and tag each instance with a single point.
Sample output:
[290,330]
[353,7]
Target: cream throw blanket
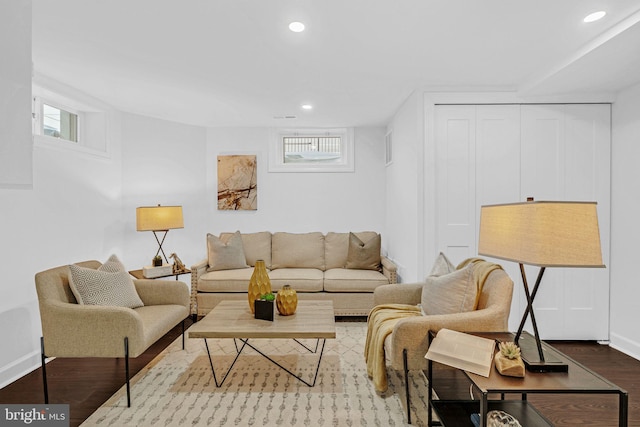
[383,318]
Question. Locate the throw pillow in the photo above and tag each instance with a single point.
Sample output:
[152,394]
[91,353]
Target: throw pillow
[363,255]
[110,285]
[451,293]
[441,266]
[225,254]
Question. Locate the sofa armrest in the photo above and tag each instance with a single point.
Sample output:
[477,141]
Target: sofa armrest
[403,293]
[197,270]
[389,269]
[74,330]
[161,292]
[412,333]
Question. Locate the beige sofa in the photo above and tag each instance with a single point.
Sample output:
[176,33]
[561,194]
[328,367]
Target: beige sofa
[314,264]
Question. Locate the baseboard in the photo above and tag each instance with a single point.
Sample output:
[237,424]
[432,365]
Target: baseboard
[19,368]
[625,345]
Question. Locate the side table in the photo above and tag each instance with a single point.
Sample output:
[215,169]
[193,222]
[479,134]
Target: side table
[578,380]
[139,275]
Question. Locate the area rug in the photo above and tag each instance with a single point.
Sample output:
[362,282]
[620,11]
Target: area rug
[177,387]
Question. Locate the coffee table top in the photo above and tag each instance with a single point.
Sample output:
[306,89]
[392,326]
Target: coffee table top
[233,319]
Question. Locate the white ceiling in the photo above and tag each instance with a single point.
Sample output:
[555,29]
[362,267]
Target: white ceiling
[235,63]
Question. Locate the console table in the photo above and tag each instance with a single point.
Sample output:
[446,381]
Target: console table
[578,380]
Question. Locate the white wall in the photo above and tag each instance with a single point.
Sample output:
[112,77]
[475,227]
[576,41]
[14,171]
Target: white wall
[625,231]
[171,163]
[68,210]
[71,214]
[404,189]
[300,202]
[163,163]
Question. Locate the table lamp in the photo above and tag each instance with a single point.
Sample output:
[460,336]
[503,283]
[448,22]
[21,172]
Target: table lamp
[159,219]
[543,234]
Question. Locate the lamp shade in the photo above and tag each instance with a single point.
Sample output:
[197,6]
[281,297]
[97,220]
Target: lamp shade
[157,218]
[542,233]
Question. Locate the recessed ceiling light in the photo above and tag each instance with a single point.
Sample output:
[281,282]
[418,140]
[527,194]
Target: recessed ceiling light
[306,106]
[592,17]
[296,27]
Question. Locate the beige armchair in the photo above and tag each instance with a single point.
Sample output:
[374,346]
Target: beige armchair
[406,346]
[73,330]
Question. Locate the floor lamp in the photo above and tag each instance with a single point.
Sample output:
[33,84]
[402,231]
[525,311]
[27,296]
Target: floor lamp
[159,219]
[543,234]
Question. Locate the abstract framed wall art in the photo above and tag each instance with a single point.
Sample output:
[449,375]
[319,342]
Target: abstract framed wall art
[237,183]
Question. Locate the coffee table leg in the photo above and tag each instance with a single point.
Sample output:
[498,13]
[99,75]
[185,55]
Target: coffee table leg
[287,370]
[308,349]
[230,367]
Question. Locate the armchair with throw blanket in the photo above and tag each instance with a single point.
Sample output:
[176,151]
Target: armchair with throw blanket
[475,296]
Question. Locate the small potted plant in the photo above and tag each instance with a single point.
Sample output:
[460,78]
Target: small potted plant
[264,306]
[157,261]
[508,361]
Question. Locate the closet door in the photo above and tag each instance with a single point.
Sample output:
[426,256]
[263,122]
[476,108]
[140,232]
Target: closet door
[491,154]
[478,162]
[455,181]
[566,156]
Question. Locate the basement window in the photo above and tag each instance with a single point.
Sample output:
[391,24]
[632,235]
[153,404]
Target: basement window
[311,150]
[64,119]
[59,123]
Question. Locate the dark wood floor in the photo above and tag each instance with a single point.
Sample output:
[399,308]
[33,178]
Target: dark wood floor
[87,383]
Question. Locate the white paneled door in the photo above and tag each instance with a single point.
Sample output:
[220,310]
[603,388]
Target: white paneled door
[490,154]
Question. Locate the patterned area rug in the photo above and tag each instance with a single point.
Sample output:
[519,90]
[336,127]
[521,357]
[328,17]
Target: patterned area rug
[177,387]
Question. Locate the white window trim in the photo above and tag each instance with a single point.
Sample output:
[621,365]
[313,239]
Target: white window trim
[51,92]
[39,119]
[276,151]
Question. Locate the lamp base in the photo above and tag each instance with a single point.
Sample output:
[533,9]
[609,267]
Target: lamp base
[531,357]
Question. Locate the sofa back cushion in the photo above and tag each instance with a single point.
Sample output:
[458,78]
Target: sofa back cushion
[289,250]
[336,247]
[256,246]
[364,255]
[226,252]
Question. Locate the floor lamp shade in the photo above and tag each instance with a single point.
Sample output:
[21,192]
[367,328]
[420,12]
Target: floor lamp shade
[159,218]
[546,234]
[543,234]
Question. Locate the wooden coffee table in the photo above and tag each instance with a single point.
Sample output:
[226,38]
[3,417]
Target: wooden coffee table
[233,319]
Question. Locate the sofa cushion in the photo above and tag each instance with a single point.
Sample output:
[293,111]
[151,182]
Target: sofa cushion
[363,255]
[225,253]
[236,280]
[441,266]
[289,250]
[451,293]
[256,246]
[109,285]
[300,279]
[347,280]
[336,247]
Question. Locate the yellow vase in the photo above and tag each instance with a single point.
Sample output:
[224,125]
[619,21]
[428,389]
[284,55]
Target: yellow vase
[259,284]
[286,301]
